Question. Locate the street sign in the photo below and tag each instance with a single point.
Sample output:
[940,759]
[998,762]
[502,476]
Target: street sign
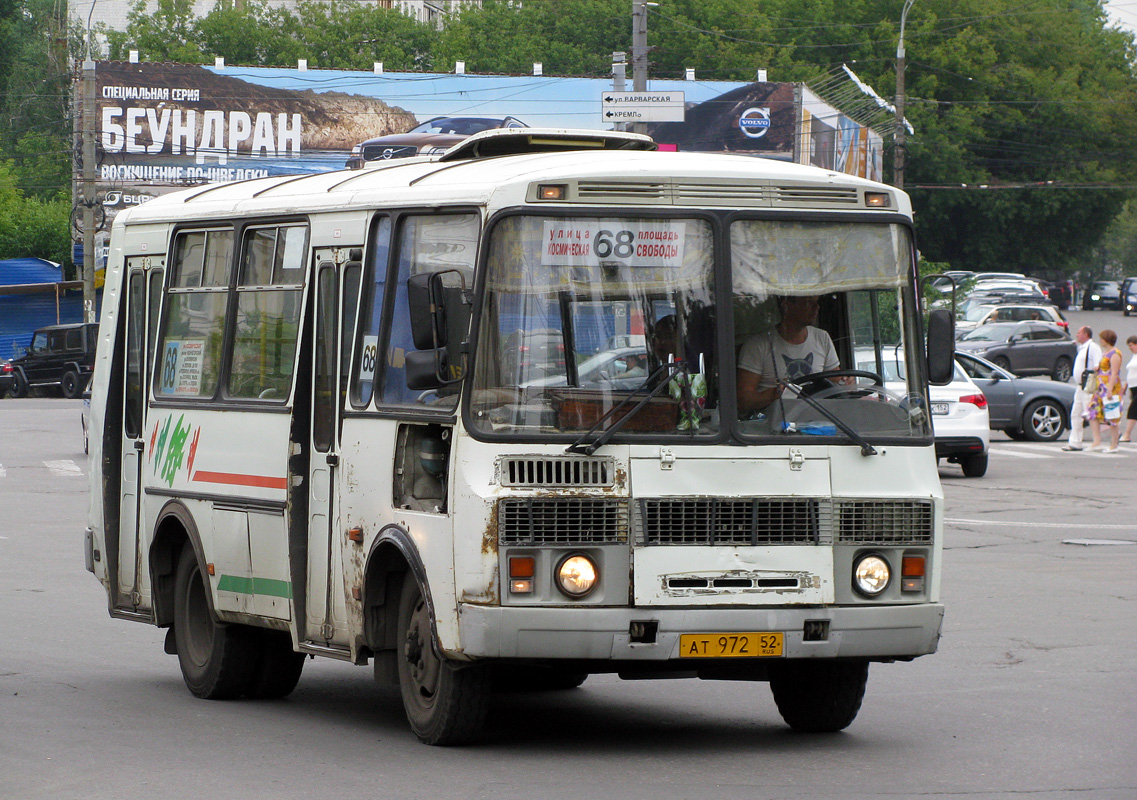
[643,106]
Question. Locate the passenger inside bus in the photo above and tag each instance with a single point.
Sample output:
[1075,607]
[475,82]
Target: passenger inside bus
[793,348]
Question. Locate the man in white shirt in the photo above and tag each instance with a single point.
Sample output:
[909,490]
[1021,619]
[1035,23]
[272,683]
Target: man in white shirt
[1089,356]
[792,350]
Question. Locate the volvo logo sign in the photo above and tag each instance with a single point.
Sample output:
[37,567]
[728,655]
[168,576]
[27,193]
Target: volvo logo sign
[754,122]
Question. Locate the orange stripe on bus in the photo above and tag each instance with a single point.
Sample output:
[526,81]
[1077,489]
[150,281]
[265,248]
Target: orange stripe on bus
[237,479]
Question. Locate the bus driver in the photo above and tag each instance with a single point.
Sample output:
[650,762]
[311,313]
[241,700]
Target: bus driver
[793,349]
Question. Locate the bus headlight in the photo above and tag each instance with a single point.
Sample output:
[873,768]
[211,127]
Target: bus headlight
[871,575]
[577,575]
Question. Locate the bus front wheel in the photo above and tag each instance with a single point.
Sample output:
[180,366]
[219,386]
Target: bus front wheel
[217,659]
[816,696]
[445,703]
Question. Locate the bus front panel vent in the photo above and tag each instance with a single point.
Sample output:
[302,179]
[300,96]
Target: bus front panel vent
[884,522]
[621,192]
[556,472]
[801,196]
[734,522]
[562,521]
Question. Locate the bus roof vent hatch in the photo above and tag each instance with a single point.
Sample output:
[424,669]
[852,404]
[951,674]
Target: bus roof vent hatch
[521,141]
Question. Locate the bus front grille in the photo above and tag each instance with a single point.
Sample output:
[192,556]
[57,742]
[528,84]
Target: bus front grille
[884,522]
[562,521]
[766,521]
[740,521]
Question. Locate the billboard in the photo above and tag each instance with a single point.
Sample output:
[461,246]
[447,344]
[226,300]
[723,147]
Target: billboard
[162,126]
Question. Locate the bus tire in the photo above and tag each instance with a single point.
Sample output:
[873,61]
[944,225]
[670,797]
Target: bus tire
[217,659]
[278,667]
[445,703]
[815,696]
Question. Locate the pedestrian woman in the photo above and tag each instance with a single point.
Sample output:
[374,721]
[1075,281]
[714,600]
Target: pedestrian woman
[1109,389]
[1130,383]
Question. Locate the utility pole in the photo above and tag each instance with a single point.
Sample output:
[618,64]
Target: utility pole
[88,193]
[619,73]
[639,52]
[899,154]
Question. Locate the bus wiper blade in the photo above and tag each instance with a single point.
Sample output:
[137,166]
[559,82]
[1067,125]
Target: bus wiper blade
[866,448]
[588,449]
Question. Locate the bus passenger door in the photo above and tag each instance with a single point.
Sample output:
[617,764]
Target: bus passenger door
[144,289]
[325,617]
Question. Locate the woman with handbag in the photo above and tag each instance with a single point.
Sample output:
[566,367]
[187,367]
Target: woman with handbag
[1105,405]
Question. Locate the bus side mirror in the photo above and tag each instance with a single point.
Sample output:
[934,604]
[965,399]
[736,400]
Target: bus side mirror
[428,310]
[427,369]
[941,347]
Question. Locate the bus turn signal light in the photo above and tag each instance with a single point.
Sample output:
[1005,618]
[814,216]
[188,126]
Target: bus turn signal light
[549,191]
[912,570]
[521,569]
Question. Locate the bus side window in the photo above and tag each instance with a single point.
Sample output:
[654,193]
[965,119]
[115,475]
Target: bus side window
[268,314]
[188,359]
[371,314]
[427,244]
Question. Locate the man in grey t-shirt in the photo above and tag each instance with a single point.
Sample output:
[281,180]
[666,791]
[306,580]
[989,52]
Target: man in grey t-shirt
[792,350]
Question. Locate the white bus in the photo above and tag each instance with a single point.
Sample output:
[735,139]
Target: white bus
[475,420]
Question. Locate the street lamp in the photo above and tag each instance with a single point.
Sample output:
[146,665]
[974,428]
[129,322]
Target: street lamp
[898,154]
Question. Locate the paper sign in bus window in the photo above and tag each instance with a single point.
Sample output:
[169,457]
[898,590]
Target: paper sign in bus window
[182,366]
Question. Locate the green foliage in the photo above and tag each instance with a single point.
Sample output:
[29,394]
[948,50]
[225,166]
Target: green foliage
[168,34]
[1038,101]
[29,226]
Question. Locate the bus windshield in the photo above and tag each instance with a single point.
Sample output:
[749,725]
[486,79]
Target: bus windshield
[584,317]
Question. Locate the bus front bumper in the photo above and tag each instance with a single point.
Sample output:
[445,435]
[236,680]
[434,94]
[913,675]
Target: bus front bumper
[873,632]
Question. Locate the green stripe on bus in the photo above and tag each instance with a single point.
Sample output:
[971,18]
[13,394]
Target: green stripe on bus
[261,586]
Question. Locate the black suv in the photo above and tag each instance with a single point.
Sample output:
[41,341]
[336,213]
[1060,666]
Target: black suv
[60,355]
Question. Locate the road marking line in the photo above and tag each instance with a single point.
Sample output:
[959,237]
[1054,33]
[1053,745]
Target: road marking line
[3,472]
[1001,452]
[1063,525]
[64,469]
[1045,447]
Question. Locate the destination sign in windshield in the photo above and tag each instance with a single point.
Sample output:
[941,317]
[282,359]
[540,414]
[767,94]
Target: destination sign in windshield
[592,242]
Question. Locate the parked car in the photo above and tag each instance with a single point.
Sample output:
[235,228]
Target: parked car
[1128,293]
[7,377]
[1023,287]
[62,356]
[1024,408]
[1102,294]
[1059,292]
[531,355]
[1011,312]
[960,421]
[1024,348]
[432,137]
[622,369]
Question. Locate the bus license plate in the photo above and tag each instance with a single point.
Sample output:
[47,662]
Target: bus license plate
[939,408]
[730,645]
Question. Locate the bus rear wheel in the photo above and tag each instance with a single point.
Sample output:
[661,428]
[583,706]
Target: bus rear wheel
[445,703]
[819,696]
[218,660]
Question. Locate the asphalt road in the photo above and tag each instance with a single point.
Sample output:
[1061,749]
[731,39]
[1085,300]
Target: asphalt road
[1033,691]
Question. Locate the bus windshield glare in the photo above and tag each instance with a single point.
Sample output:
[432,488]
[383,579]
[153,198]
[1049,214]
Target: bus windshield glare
[580,314]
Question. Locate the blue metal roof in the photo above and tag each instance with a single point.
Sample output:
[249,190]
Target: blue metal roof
[22,314]
[16,271]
